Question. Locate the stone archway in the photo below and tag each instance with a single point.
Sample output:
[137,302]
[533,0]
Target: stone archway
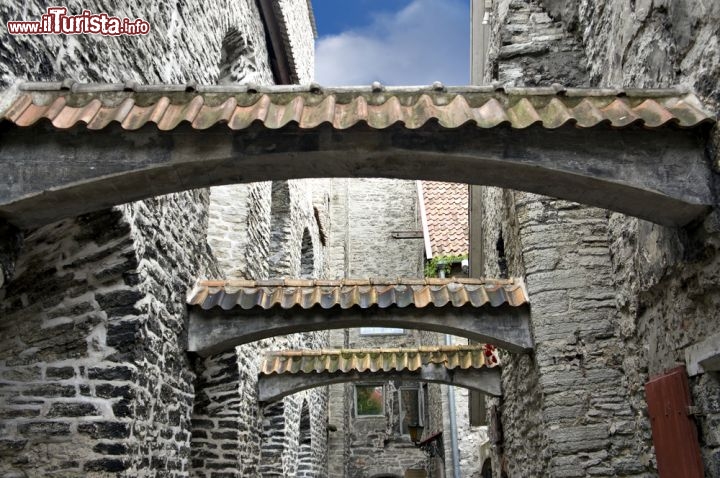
[224,314]
[521,139]
[290,372]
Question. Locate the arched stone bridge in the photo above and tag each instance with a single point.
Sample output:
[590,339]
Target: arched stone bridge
[67,149]
[224,314]
[292,371]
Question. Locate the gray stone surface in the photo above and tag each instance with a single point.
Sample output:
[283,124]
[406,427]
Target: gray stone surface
[614,301]
[216,329]
[93,379]
[184,45]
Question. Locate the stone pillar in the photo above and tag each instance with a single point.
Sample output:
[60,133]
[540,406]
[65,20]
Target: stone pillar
[567,409]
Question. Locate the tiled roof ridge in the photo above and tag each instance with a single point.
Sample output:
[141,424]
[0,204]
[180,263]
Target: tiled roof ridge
[167,106]
[360,351]
[70,85]
[345,294]
[291,282]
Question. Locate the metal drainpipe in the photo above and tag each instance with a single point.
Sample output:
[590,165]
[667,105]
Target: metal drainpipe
[451,404]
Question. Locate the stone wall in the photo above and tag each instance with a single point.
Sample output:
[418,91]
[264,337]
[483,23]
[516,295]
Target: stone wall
[614,300]
[93,377]
[363,215]
[667,280]
[94,380]
[528,48]
[261,230]
[256,230]
[299,38]
[369,446]
[184,45]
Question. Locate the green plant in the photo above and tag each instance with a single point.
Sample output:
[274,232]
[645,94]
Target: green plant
[431,266]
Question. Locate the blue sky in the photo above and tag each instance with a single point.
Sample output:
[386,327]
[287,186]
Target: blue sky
[396,42]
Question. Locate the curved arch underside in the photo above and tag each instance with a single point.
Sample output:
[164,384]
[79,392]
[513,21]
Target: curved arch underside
[47,174]
[216,330]
[274,386]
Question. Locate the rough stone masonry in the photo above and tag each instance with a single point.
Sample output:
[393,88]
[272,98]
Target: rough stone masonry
[93,377]
[615,299]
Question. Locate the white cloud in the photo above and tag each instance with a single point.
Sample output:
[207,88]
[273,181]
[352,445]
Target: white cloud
[426,41]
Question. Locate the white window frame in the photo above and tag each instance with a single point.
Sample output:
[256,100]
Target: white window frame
[421,405]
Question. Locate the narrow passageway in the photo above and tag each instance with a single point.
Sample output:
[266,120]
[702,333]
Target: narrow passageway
[213,266]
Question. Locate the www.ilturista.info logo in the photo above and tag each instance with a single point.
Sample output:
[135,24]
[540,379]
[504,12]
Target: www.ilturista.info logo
[57,22]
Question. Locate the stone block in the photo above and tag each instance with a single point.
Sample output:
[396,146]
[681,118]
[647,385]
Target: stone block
[11,447]
[119,303]
[49,390]
[111,430]
[59,373]
[39,430]
[113,448]
[106,465]
[112,373]
[569,440]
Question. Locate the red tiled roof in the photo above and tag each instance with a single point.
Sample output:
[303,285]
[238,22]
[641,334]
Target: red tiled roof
[364,293]
[446,216]
[167,106]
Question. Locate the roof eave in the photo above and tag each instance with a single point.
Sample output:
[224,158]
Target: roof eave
[278,48]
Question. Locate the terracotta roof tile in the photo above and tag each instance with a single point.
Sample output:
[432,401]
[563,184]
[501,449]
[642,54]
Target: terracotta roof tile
[365,293]
[374,360]
[446,215]
[167,106]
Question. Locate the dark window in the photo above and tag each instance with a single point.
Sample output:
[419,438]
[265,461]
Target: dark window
[411,408]
[478,410]
[307,257]
[502,260]
[305,452]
